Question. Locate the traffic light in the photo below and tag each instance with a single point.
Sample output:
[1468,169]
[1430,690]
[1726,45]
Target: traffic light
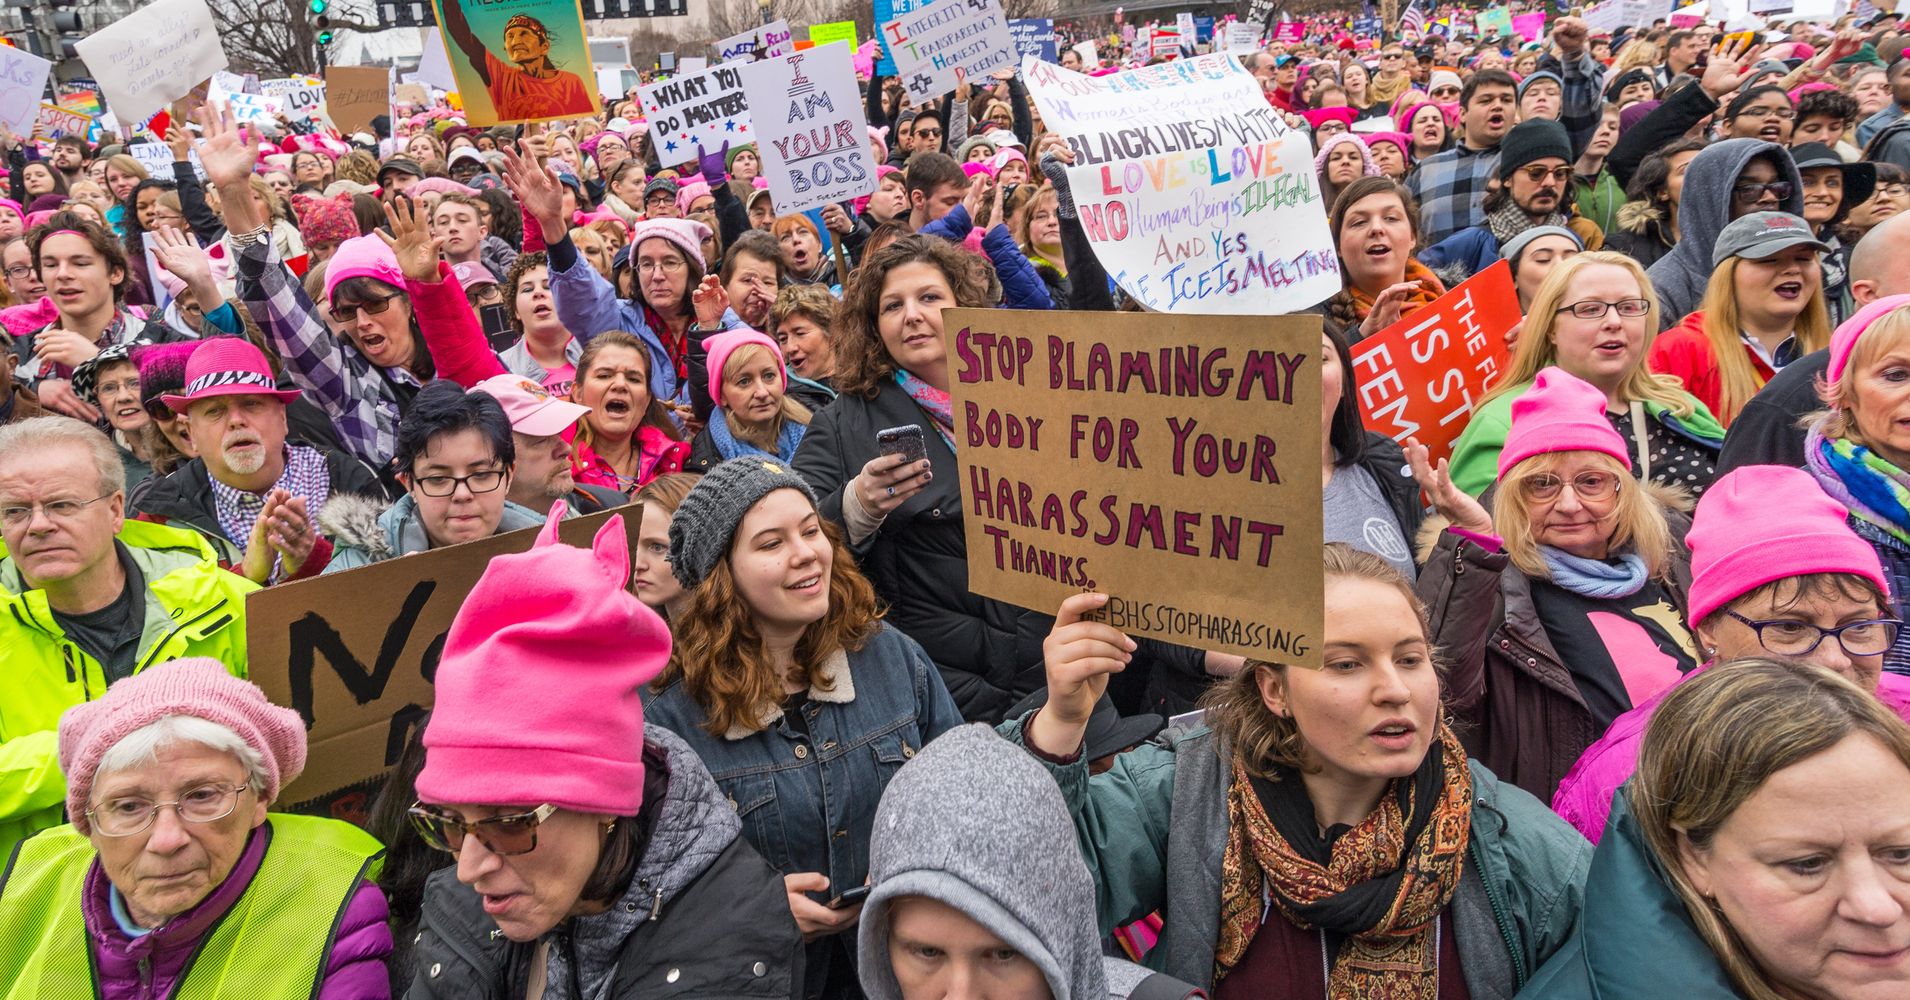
[321,21]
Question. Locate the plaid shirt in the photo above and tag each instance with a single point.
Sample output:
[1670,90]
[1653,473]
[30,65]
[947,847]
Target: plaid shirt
[1582,103]
[1448,187]
[363,407]
[306,476]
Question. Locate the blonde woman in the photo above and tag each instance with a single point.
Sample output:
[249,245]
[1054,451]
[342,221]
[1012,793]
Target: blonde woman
[1763,308]
[1563,608]
[1637,53]
[1593,317]
[755,413]
[1757,853]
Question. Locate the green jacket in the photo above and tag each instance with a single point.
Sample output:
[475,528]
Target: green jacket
[1636,938]
[1153,831]
[193,608]
[1475,456]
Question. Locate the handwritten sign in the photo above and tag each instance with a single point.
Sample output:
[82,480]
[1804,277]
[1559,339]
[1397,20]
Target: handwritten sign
[1530,26]
[938,46]
[694,109]
[22,84]
[354,95]
[1034,36]
[835,31]
[158,160]
[815,144]
[1155,461]
[301,98]
[1196,196]
[153,56]
[1422,376]
[771,41]
[252,107]
[355,654]
[884,11]
[51,121]
[1240,37]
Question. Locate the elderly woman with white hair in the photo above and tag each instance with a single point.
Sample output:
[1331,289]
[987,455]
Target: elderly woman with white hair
[174,873]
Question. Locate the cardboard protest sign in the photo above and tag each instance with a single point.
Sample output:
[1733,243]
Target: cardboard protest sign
[153,56]
[354,95]
[1168,465]
[1196,196]
[695,109]
[771,41]
[355,654]
[52,121]
[1423,376]
[814,146]
[835,31]
[413,94]
[517,60]
[938,46]
[22,84]
[1034,36]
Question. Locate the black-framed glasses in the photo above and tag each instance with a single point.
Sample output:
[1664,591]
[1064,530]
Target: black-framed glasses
[14,515]
[1537,174]
[1750,194]
[1590,487]
[1596,309]
[444,486]
[349,313]
[506,835]
[1871,637]
[131,814]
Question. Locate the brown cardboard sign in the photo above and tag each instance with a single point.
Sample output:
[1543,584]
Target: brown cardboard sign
[355,653]
[354,95]
[1167,461]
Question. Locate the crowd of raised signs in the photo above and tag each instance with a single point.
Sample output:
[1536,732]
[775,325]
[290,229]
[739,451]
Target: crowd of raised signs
[1610,698]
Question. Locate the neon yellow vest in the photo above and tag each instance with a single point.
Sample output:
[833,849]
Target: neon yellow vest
[272,944]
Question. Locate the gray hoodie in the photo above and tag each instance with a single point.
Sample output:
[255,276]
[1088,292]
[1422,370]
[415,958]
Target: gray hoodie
[975,823]
[1703,211]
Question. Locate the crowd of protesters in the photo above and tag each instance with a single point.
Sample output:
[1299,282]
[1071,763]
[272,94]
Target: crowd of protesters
[1611,702]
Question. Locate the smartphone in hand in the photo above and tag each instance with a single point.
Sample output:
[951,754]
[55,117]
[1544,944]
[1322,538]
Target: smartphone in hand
[906,440]
[850,898]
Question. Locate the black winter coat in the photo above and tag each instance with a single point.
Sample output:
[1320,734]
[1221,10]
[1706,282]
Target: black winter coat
[183,498]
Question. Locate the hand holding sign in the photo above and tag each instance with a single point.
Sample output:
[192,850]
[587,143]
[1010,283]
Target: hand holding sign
[1080,655]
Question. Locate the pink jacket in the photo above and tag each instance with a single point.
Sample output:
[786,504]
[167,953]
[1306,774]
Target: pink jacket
[355,969]
[1584,798]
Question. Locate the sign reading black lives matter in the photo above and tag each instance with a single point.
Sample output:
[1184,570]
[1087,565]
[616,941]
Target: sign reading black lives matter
[1168,462]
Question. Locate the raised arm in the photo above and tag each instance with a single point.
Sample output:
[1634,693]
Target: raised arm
[458,30]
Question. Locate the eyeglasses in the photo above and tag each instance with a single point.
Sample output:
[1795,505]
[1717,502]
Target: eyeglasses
[1590,487]
[1783,114]
[1893,190]
[1748,194]
[18,271]
[349,313]
[56,510]
[507,835]
[1537,174]
[1596,309]
[127,816]
[668,265]
[1790,638]
[476,482]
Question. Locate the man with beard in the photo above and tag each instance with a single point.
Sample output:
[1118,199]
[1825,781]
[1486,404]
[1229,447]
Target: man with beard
[253,494]
[538,422]
[1533,184]
[71,154]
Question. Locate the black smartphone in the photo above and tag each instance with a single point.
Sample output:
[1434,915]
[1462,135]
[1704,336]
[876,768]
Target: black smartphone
[905,440]
[850,898]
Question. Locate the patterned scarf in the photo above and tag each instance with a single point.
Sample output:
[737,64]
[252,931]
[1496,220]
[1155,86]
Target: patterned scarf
[1429,290]
[1876,491]
[934,402]
[306,475]
[1511,220]
[1381,884]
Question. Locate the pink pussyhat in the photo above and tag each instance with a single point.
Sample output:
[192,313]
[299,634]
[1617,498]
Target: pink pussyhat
[724,344]
[363,257]
[1737,545]
[1561,412]
[1844,340]
[537,689]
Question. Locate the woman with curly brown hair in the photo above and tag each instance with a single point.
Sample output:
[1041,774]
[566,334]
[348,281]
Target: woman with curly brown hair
[794,694]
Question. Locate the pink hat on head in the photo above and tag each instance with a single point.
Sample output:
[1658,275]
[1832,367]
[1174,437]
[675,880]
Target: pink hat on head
[1737,546]
[551,640]
[532,410]
[1561,412]
[687,234]
[724,344]
[1844,340]
[227,366]
[199,687]
[363,257]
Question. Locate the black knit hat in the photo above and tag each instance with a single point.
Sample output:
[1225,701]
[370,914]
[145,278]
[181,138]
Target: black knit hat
[1533,140]
[704,522]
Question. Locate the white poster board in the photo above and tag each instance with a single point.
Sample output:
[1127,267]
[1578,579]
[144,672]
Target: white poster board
[938,46]
[814,144]
[771,41]
[22,84]
[153,56]
[1242,37]
[692,109]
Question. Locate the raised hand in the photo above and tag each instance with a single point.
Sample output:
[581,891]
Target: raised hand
[226,153]
[1387,307]
[180,139]
[715,166]
[536,188]
[1454,504]
[418,251]
[711,300]
[181,254]
[1079,655]
[1727,70]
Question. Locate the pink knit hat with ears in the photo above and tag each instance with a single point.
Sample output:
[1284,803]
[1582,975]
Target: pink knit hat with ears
[537,688]
[1844,340]
[1737,546]
[724,344]
[1561,412]
[197,686]
[687,234]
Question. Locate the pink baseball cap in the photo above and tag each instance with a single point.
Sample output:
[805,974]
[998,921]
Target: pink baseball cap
[471,274]
[533,410]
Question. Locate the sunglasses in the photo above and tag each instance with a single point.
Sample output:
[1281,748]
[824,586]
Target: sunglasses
[1747,194]
[1538,174]
[506,836]
[349,313]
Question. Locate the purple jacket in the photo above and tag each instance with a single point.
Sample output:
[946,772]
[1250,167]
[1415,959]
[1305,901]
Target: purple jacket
[1584,798]
[354,971]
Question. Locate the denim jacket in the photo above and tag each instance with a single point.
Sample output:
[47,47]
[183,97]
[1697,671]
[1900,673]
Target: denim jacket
[808,803]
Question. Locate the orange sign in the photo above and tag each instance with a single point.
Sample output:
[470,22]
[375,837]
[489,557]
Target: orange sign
[1423,376]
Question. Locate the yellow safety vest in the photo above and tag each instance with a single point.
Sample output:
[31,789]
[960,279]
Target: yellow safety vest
[271,944]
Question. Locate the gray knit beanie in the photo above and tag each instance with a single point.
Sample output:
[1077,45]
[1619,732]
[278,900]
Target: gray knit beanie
[701,528]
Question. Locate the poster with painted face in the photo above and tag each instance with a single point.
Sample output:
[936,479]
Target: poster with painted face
[518,60]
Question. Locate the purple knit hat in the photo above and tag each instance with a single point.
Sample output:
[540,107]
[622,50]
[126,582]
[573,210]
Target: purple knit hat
[199,687]
[1635,113]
